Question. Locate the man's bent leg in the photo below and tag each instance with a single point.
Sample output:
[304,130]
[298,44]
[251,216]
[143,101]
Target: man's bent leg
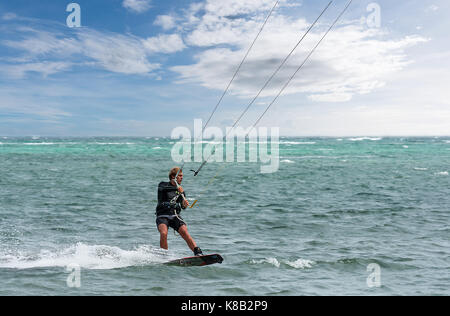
[185,235]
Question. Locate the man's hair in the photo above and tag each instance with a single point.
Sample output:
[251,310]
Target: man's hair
[173,172]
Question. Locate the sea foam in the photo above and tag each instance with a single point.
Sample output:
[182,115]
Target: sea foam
[297,264]
[358,139]
[96,257]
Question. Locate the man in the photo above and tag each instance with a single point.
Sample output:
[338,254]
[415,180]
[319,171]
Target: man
[171,200]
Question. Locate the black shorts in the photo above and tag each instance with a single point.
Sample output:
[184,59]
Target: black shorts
[175,222]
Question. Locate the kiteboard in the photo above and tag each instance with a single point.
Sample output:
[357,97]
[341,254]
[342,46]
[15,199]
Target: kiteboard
[197,261]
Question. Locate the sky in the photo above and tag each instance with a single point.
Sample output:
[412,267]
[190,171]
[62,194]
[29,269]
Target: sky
[145,67]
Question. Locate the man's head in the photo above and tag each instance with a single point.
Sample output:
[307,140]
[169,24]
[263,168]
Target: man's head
[173,173]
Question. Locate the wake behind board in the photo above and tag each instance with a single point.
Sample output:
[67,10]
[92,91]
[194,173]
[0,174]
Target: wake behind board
[197,261]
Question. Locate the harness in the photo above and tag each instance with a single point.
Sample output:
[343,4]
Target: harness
[173,205]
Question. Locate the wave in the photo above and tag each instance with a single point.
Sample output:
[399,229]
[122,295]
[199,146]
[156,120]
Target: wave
[300,264]
[95,257]
[358,139]
[240,141]
[213,142]
[64,143]
[297,264]
[297,143]
[42,144]
[442,173]
[287,161]
[320,157]
[97,143]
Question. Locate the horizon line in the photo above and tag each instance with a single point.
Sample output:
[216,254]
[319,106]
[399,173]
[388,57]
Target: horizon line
[285,136]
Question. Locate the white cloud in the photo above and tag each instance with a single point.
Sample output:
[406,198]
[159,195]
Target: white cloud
[234,22]
[45,68]
[9,16]
[216,30]
[432,8]
[237,7]
[137,6]
[167,22]
[116,53]
[113,52]
[352,59]
[40,43]
[331,97]
[376,120]
[164,44]
[47,52]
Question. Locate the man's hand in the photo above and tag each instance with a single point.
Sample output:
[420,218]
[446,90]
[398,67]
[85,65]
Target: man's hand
[185,203]
[180,189]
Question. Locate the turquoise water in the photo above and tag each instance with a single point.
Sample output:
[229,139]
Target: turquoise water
[313,228]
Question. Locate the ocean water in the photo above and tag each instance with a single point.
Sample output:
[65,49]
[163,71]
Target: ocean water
[336,208]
